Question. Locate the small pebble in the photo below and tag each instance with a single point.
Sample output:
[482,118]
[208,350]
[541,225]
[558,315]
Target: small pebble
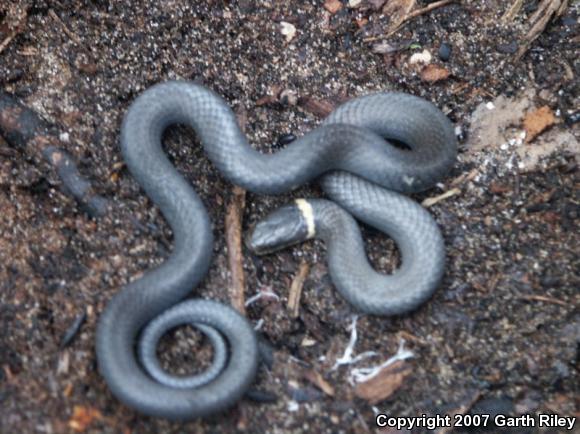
[285,139]
[460,133]
[509,48]
[569,21]
[288,30]
[422,57]
[573,118]
[293,406]
[444,51]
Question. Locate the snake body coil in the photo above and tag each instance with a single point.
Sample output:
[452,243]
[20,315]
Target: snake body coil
[348,147]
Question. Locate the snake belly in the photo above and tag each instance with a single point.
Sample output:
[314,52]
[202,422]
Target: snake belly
[349,149]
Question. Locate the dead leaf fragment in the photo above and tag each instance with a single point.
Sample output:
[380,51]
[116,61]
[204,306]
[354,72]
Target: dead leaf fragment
[316,378]
[377,4]
[317,107]
[361,22]
[397,11]
[397,7]
[433,73]
[537,121]
[499,188]
[83,417]
[332,6]
[384,384]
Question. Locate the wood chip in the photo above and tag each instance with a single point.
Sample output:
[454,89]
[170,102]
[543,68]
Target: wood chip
[266,100]
[233,226]
[544,299]
[68,390]
[538,121]
[433,200]
[498,188]
[361,22]
[316,378]
[433,73]
[296,289]
[384,384]
[465,177]
[332,6]
[317,107]
[83,417]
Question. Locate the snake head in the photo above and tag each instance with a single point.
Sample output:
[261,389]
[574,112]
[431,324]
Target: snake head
[286,226]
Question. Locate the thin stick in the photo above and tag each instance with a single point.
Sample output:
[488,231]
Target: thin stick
[546,11]
[65,29]
[296,289]
[410,16]
[24,129]
[433,200]
[426,9]
[512,11]
[544,299]
[234,242]
[7,40]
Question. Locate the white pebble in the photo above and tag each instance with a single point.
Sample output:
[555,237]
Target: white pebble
[288,30]
[293,406]
[423,57]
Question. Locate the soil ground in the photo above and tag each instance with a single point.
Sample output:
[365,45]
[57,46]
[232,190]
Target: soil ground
[501,334]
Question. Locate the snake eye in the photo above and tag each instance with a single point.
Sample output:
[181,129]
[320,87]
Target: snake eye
[281,228]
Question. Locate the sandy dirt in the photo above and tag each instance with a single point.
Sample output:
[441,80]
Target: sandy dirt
[502,334]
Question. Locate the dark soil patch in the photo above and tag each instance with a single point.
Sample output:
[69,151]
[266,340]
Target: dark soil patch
[505,322]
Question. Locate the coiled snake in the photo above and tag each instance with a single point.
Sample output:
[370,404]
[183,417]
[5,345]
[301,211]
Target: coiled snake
[357,169]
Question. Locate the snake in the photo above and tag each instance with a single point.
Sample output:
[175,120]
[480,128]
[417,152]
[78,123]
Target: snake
[355,155]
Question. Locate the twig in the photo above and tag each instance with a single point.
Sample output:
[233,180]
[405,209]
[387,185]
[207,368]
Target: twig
[24,129]
[73,329]
[544,299]
[433,200]
[7,40]
[410,16]
[65,29]
[512,11]
[426,9]
[296,289]
[547,10]
[465,177]
[234,242]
